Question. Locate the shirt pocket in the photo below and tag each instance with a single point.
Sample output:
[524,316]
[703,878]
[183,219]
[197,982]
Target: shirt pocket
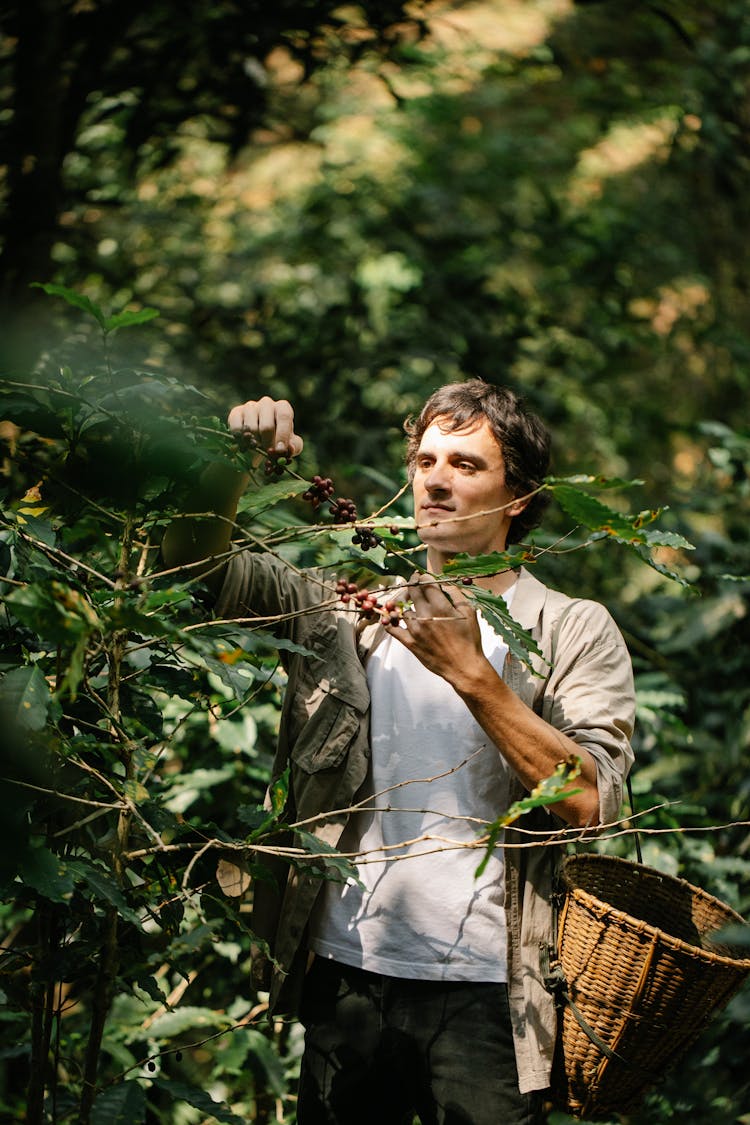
[330,729]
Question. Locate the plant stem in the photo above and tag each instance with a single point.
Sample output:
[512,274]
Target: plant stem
[100,1005]
[40,1024]
[110,956]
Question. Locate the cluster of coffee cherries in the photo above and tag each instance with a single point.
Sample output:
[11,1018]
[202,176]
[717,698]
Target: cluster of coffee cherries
[320,490]
[343,510]
[367,605]
[277,462]
[366,539]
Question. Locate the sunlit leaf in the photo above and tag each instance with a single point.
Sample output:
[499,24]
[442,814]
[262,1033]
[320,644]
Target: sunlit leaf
[278,793]
[332,864]
[475,566]
[494,610]
[593,481]
[589,511]
[656,538]
[188,786]
[268,495]
[548,792]
[232,877]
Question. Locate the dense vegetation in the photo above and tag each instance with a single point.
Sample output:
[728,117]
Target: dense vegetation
[546,194]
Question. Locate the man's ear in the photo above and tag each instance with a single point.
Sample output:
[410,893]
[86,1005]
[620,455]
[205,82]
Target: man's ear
[517,506]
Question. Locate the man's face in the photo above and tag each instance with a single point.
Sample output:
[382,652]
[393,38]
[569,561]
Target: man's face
[458,487]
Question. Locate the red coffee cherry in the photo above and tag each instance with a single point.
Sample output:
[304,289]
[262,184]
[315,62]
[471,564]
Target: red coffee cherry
[362,601]
[391,612]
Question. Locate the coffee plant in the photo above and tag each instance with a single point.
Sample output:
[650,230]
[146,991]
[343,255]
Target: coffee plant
[138,735]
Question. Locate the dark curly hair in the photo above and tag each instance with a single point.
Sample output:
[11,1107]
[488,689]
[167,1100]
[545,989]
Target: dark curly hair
[521,435]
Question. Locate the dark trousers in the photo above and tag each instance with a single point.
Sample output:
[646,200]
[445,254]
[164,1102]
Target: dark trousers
[380,1050]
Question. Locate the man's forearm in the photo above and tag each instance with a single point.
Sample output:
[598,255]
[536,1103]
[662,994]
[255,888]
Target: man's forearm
[530,745]
[195,537]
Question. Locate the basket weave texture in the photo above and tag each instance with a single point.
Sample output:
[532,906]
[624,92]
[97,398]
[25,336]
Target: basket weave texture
[636,951]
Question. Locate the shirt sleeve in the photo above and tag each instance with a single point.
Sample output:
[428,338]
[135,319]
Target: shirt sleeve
[590,697]
[261,586]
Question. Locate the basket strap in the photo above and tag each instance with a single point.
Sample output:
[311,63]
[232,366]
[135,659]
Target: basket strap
[637,834]
[555,982]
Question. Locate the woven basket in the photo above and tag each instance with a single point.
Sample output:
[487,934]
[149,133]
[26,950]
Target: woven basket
[640,967]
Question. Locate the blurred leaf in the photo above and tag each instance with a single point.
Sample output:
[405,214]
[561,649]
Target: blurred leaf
[593,481]
[25,697]
[187,1018]
[43,871]
[734,934]
[103,886]
[123,1104]
[262,1049]
[128,319]
[180,1092]
[189,786]
[689,632]
[73,298]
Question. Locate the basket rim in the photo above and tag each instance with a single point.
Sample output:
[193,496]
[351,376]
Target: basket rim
[630,921]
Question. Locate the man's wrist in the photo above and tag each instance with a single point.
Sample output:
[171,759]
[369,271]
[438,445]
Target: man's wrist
[473,679]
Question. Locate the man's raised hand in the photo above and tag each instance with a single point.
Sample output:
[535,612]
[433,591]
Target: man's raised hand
[269,422]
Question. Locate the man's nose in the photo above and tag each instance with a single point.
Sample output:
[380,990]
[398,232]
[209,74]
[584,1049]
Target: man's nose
[438,478]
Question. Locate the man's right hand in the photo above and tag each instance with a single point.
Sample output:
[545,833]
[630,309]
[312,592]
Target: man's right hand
[268,422]
[191,539]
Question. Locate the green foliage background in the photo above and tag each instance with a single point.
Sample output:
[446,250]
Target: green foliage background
[354,205]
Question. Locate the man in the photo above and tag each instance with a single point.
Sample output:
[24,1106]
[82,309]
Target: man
[421,987]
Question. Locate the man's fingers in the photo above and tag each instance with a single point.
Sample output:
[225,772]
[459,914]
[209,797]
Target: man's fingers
[426,591]
[270,422]
[267,423]
[283,425]
[243,418]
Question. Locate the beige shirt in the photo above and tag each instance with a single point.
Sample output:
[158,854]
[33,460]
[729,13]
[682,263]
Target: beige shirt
[583,687]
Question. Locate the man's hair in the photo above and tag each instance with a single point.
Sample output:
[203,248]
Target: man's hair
[523,439]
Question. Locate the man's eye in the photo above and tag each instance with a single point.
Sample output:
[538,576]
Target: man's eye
[467,466]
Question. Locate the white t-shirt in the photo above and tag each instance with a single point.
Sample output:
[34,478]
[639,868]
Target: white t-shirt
[422,913]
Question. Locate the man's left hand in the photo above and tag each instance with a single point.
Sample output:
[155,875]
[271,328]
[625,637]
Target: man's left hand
[441,628]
